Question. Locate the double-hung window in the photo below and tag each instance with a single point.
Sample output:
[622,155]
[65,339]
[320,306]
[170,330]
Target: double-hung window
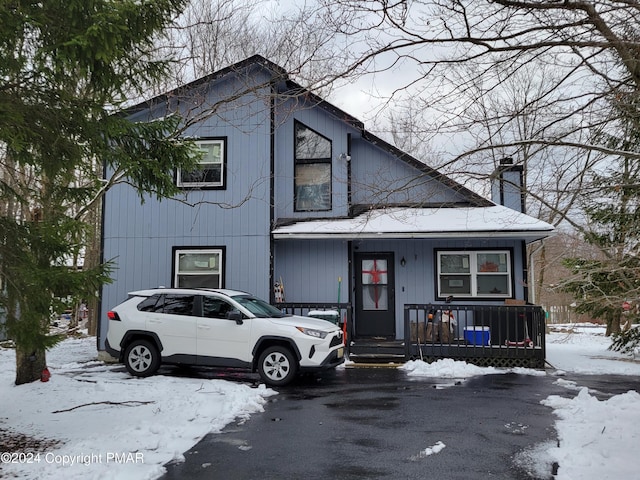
[210,172]
[479,274]
[312,170]
[198,267]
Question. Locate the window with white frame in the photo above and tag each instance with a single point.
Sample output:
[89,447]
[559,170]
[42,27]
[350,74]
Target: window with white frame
[481,274]
[198,268]
[210,171]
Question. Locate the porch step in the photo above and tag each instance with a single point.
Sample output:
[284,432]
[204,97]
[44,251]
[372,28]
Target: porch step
[372,351]
[373,365]
[375,355]
[377,358]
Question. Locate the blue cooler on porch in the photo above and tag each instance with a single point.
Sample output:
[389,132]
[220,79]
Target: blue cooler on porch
[477,335]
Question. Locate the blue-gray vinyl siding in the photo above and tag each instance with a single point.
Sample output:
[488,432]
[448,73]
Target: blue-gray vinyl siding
[326,125]
[378,178]
[310,269]
[505,189]
[139,237]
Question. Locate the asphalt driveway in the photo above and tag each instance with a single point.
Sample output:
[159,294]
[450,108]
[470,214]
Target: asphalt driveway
[366,423]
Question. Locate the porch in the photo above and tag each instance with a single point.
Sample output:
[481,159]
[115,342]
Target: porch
[484,335]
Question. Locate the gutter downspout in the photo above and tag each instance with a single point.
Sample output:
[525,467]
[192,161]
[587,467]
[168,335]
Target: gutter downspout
[272,163]
[532,288]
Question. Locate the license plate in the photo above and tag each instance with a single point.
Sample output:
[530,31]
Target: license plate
[340,352]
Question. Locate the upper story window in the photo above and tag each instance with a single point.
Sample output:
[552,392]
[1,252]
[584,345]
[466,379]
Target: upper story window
[312,170]
[211,171]
[479,274]
[198,268]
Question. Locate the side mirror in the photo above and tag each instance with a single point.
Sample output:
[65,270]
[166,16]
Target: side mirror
[235,315]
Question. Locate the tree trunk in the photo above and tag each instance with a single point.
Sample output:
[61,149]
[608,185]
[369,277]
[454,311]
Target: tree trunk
[29,365]
[92,317]
[93,257]
[539,284]
[73,323]
[613,324]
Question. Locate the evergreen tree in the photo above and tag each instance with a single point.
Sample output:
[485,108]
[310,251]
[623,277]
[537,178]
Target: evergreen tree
[65,67]
[602,285]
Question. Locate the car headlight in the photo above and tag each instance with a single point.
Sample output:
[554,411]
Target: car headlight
[312,332]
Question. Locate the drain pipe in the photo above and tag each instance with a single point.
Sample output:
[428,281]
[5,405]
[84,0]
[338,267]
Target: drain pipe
[533,271]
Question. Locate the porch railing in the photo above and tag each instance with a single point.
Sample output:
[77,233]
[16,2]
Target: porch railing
[487,329]
[499,335]
[344,312]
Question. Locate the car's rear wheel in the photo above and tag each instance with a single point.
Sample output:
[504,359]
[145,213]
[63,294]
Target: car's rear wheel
[142,358]
[277,366]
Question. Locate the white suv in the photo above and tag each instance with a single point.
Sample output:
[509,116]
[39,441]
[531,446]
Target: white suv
[221,328]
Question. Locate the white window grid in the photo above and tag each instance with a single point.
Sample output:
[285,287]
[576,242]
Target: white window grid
[204,162]
[206,251]
[474,271]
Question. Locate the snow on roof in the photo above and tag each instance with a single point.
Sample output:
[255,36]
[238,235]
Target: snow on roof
[493,221]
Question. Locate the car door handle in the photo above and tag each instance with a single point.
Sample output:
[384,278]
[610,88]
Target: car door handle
[204,327]
[154,321]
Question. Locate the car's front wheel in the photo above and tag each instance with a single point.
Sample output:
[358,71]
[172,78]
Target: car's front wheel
[142,358]
[277,366]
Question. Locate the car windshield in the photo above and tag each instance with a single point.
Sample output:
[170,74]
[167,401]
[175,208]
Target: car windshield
[258,307]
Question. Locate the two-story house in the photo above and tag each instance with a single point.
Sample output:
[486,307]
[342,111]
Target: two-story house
[298,204]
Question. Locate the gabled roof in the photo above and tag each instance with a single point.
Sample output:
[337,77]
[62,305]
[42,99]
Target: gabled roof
[471,196]
[280,78]
[278,74]
[293,89]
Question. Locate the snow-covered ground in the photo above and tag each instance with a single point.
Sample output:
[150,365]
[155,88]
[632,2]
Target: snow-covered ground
[112,426]
[596,439]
